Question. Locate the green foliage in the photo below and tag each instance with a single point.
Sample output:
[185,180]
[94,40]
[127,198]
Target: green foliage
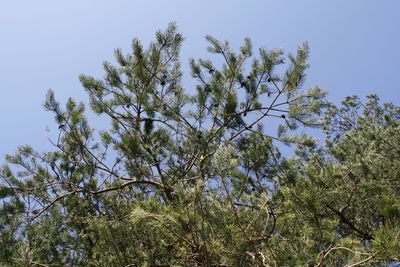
[347,191]
[196,178]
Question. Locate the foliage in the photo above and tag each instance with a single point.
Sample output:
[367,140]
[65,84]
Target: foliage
[346,194]
[196,178]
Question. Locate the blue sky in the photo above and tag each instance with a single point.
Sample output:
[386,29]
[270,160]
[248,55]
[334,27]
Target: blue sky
[47,44]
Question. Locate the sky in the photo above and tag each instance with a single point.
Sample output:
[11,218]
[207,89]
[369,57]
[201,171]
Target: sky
[48,44]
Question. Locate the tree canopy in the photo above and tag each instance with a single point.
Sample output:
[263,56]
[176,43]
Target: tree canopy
[197,176]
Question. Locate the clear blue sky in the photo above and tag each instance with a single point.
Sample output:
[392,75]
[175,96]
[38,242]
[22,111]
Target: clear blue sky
[47,44]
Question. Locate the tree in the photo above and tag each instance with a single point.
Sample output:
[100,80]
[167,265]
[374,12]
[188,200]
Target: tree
[346,194]
[196,178]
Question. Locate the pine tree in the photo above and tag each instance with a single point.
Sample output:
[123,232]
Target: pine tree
[196,177]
